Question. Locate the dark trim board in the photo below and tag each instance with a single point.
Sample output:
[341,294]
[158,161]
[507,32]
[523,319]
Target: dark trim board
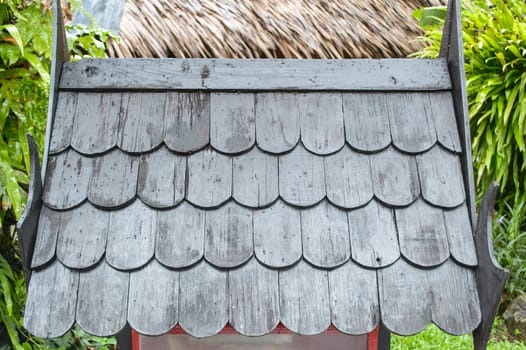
[252,74]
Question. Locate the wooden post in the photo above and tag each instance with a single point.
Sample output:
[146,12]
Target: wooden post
[384,338]
[124,338]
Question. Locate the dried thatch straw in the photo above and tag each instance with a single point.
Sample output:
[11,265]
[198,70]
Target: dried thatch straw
[269,28]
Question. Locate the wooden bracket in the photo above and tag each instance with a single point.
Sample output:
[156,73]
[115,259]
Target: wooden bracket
[491,278]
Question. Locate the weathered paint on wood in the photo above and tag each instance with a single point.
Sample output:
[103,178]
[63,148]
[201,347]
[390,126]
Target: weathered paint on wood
[354,299]
[180,236]
[162,177]
[232,121]
[53,289]
[321,121]
[443,112]
[277,121]
[422,234]
[460,235]
[373,235]
[325,235]
[63,122]
[46,242]
[277,235]
[203,300]
[255,179]
[253,74]
[228,236]
[131,236]
[254,299]
[153,299]
[82,236]
[366,121]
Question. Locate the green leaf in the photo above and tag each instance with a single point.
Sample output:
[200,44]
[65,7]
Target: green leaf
[13,31]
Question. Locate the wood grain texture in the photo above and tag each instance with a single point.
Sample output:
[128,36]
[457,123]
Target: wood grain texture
[443,113]
[187,121]
[114,180]
[67,182]
[255,179]
[209,178]
[63,121]
[253,74]
[277,235]
[301,177]
[142,120]
[366,121]
[373,235]
[411,123]
[277,121]
[321,121]
[325,235]
[131,236]
[46,238]
[348,178]
[460,235]
[51,301]
[422,234]
[405,303]
[203,300]
[228,235]
[232,121]
[254,299]
[395,177]
[162,177]
[82,236]
[304,299]
[103,313]
[96,122]
[354,299]
[180,236]
[153,299]
[441,178]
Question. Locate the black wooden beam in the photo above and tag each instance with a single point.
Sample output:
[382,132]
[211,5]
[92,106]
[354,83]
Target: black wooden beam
[124,338]
[384,338]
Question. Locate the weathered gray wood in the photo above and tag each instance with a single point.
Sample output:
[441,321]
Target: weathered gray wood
[180,236]
[405,303]
[82,236]
[253,74]
[277,235]
[46,239]
[443,114]
[411,123]
[103,300]
[422,234]
[304,299]
[96,122]
[321,121]
[131,236]
[395,177]
[325,235]
[374,239]
[153,299]
[366,120]
[232,121]
[203,300]
[63,121]
[187,121]
[348,178]
[460,235]
[254,299]
[455,302]
[354,299]
[142,121]
[209,178]
[68,177]
[301,177]
[277,121]
[255,179]
[114,180]
[162,177]
[441,177]
[51,301]
[491,278]
[228,235]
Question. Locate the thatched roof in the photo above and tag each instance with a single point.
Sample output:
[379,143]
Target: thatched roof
[269,28]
